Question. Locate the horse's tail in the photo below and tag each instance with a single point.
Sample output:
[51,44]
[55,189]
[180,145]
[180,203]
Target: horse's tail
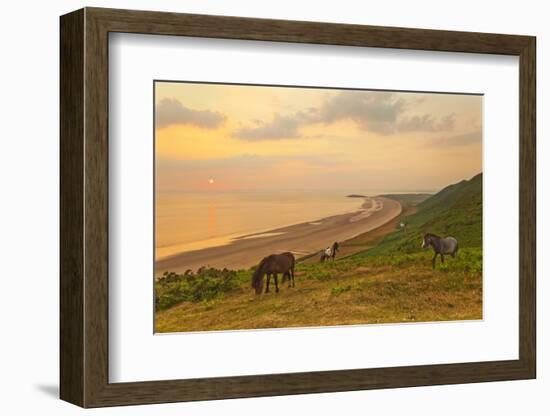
[292,266]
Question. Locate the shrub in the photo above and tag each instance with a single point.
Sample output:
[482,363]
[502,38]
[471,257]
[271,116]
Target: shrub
[206,284]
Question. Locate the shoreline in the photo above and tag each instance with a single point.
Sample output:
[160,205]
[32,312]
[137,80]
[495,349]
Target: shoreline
[228,239]
[301,239]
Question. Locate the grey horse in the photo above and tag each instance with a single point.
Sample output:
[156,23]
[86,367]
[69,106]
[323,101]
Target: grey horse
[441,246]
[271,266]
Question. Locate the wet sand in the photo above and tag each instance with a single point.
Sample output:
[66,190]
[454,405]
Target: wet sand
[301,239]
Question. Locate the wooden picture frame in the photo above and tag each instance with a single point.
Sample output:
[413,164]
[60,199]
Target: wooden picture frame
[84,207]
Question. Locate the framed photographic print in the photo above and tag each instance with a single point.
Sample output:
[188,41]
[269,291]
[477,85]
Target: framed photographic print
[255,207]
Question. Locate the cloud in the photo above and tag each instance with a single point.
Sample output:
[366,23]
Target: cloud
[427,123]
[280,127]
[171,112]
[373,111]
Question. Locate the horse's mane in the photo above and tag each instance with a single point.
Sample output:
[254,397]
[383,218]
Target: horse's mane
[431,235]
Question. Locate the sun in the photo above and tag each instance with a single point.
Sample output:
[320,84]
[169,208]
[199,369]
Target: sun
[211,181]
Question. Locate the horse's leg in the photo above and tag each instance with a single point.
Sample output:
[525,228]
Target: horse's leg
[268,276]
[433,260]
[442,258]
[276,285]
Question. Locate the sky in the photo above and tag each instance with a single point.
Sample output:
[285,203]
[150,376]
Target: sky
[215,137]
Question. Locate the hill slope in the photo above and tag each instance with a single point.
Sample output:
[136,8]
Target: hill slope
[353,290]
[390,282]
[455,210]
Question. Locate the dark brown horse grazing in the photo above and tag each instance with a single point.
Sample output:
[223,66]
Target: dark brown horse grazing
[271,266]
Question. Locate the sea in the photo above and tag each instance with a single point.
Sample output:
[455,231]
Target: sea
[196,220]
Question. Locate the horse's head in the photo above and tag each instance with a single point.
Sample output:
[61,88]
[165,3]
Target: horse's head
[258,278]
[426,241]
[430,240]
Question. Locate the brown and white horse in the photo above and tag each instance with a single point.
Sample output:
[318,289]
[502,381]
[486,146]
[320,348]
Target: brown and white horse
[330,252]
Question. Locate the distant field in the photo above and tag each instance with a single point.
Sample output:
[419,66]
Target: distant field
[380,277]
[408,200]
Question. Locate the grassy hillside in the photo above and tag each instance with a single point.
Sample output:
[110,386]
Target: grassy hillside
[390,281]
[456,211]
[354,290]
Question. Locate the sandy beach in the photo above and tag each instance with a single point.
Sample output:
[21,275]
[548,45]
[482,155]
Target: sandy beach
[301,239]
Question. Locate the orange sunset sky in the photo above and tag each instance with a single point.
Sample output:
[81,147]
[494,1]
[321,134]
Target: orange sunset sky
[234,137]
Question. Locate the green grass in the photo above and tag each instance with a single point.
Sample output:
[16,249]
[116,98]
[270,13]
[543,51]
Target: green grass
[467,260]
[336,290]
[354,290]
[455,211]
[390,282]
